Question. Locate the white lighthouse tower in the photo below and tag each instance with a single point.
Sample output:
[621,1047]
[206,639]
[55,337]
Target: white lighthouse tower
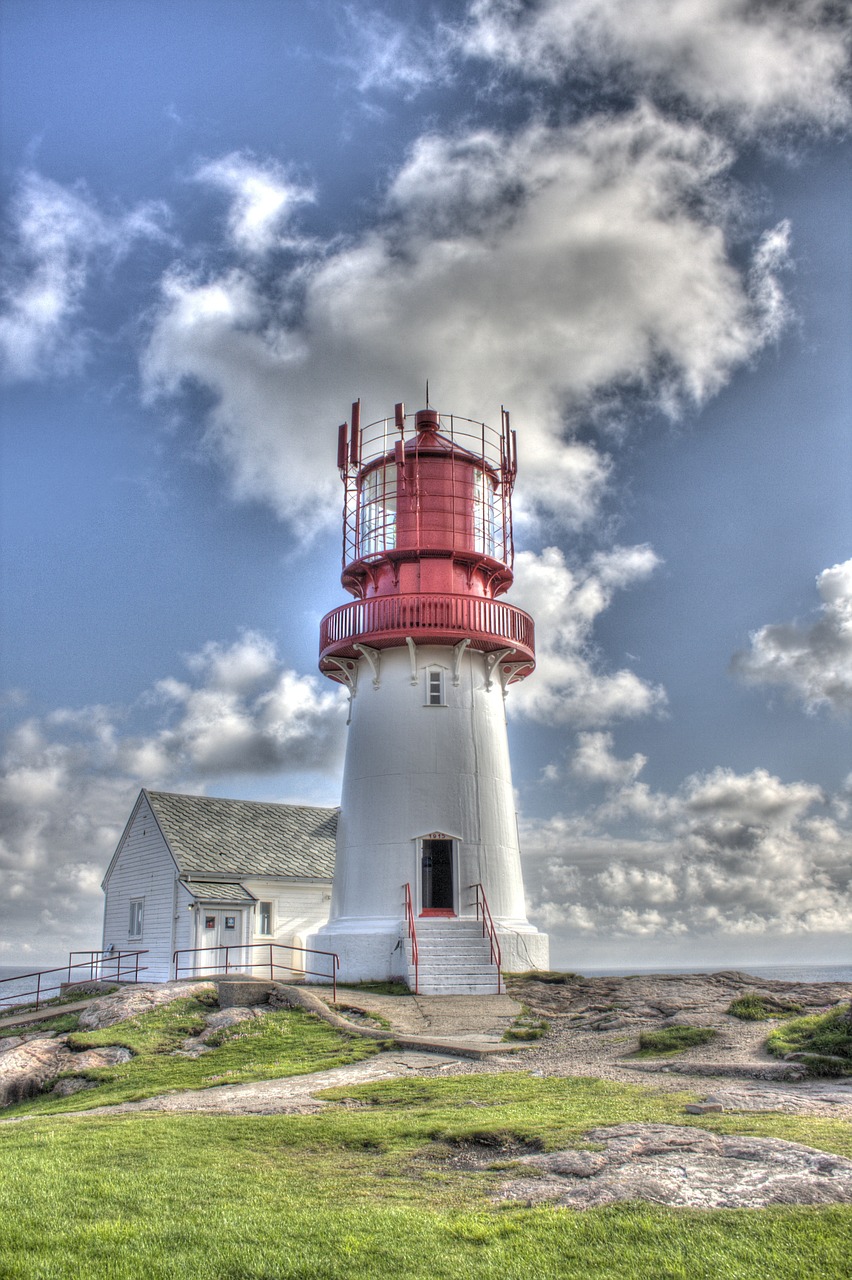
[428,882]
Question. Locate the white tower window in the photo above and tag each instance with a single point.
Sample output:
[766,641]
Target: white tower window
[435,696]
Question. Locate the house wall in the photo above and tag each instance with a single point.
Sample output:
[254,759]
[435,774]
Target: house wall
[145,869]
[299,908]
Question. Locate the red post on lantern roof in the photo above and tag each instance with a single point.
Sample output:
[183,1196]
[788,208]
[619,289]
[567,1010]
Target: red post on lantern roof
[427,537]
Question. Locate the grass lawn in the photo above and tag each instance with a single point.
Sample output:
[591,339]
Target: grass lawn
[364,1189]
[287,1043]
[826,1035]
[670,1040]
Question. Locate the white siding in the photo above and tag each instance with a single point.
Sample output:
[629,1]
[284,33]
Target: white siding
[298,910]
[144,869]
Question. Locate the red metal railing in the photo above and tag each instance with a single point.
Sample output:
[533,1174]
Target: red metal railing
[102,966]
[412,933]
[489,930]
[387,620]
[193,969]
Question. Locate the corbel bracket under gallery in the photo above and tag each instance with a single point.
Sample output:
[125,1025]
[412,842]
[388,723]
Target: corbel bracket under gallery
[491,661]
[412,654]
[374,658]
[458,654]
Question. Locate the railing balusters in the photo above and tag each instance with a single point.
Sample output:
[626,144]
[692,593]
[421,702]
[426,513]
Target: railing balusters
[457,614]
[179,963]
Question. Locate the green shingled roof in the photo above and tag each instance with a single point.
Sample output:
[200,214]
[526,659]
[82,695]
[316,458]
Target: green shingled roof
[243,838]
[220,891]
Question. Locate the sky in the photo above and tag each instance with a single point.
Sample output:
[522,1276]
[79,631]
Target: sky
[625,220]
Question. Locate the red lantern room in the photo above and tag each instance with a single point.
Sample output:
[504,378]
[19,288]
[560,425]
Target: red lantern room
[427,541]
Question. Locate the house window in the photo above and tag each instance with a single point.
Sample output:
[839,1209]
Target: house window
[435,687]
[264,917]
[137,908]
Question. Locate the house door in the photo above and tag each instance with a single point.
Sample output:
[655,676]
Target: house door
[436,863]
[221,929]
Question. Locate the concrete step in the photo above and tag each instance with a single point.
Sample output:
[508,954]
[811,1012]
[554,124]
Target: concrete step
[459,989]
[453,959]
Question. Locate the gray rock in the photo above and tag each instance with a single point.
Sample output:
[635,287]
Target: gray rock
[194,1046]
[229,1017]
[26,1069]
[68,1085]
[669,1164]
[111,1056]
[133,1001]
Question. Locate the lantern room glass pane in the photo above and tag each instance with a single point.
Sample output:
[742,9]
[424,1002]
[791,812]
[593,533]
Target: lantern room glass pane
[484,536]
[377,524]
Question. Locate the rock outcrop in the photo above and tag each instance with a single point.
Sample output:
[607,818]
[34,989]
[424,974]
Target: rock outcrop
[130,1002]
[669,1164]
[26,1069]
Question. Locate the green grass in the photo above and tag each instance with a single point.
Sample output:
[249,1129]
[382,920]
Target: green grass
[828,1035]
[756,1008]
[526,1027]
[669,1040]
[365,1190]
[64,1022]
[286,1043]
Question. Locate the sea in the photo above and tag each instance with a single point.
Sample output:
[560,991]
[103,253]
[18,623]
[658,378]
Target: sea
[776,972]
[18,989]
[14,987]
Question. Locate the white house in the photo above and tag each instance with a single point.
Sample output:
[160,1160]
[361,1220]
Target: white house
[198,871]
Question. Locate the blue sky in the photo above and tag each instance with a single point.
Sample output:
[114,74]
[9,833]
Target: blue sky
[628,222]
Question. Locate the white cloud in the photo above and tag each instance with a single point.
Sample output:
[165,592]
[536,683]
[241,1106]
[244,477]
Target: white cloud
[554,270]
[387,55]
[263,198]
[759,66]
[68,780]
[57,239]
[724,857]
[568,687]
[593,761]
[811,663]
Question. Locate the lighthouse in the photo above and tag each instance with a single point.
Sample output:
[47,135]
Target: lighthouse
[428,884]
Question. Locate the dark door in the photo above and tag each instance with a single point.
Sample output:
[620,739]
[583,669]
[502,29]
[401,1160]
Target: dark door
[437,869]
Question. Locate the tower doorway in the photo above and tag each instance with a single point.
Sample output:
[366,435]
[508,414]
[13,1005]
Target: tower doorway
[436,869]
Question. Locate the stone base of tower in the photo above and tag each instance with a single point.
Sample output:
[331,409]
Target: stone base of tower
[369,950]
[523,948]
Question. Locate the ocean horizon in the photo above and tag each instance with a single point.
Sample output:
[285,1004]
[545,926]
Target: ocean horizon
[773,972]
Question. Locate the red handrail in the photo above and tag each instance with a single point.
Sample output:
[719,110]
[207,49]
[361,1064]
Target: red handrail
[272,962]
[489,929]
[492,624]
[412,933]
[98,965]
